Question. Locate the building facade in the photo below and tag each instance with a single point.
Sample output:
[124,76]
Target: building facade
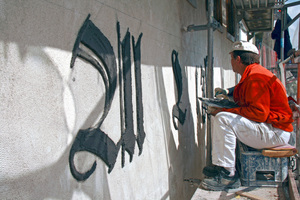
[99,98]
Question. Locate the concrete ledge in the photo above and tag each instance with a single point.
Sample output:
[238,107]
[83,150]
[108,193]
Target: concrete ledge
[293,191]
[262,193]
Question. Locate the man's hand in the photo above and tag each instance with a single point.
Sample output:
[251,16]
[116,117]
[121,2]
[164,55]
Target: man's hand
[213,110]
[222,96]
[219,91]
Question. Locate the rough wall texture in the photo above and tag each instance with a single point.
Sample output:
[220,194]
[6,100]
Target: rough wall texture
[44,103]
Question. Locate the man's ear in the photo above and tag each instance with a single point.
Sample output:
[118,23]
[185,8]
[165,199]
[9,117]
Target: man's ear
[238,58]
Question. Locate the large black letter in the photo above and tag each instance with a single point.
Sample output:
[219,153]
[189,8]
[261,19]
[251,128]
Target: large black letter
[93,139]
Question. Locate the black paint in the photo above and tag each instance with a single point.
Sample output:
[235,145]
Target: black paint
[90,36]
[139,97]
[97,142]
[121,96]
[93,139]
[177,111]
[128,136]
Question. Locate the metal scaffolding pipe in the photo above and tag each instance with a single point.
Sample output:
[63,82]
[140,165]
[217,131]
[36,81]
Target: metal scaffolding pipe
[210,73]
[210,32]
[283,19]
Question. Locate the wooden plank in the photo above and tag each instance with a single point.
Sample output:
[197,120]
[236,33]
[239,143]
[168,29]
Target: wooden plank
[278,154]
[248,195]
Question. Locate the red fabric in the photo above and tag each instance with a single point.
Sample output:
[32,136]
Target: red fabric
[262,98]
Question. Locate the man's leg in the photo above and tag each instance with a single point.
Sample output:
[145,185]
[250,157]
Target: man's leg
[228,126]
[223,155]
[223,140]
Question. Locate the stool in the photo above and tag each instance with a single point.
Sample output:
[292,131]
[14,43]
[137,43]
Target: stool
[260,167]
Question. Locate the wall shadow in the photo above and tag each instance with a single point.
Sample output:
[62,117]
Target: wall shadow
[55,180]
[52,182]
[184,159]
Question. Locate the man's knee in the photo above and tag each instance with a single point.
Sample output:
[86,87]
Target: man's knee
[222,117]
[227,118]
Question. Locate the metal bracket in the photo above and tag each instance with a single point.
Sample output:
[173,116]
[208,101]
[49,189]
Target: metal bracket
[215,25]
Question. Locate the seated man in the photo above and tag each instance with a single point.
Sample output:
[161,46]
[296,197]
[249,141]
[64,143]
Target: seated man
[262,120]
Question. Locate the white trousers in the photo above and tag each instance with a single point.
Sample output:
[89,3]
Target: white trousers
[227,127]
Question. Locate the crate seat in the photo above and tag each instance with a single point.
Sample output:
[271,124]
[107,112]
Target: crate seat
[266,167]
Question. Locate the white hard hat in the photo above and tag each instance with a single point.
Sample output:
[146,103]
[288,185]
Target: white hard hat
[244,46]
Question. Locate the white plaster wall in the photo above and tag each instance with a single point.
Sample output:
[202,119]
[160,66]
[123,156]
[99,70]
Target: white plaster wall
[44,103]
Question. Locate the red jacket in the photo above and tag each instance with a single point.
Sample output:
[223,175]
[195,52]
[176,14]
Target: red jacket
[262,98]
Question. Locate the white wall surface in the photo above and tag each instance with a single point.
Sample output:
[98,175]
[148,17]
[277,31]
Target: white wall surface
[44,103]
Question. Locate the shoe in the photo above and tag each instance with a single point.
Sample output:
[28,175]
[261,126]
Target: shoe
[211,170]
[221,181]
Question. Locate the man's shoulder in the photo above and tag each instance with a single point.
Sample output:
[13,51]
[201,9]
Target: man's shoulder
[258,69]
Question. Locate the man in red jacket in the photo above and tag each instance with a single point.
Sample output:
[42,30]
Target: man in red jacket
[262,120]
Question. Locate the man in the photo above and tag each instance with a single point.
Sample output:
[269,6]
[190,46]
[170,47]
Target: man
[262,120]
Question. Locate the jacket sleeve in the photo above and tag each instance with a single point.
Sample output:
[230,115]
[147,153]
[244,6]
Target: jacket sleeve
[255,103]
[230,93]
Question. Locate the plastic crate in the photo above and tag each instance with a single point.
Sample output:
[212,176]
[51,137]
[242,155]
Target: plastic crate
[256,169]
